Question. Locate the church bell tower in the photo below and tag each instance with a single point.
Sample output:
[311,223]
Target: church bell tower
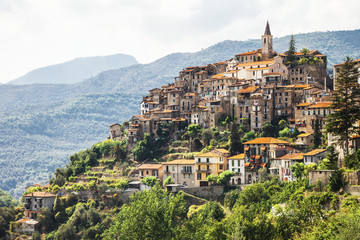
[267,43]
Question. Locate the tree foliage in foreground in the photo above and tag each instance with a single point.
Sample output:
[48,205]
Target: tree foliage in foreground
[151,215]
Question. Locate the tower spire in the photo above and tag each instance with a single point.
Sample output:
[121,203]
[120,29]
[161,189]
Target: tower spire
[267,29]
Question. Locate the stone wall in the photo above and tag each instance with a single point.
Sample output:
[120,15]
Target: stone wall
[319,175]
[352,178]
[353,190]
[209,193]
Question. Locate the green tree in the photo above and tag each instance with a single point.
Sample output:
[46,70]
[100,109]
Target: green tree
[150,215]
[235,141]
[269,130]
[207,135]
[292,49]
[143,149]
[330,162]
[283,124]
[298,170]
[211,179]
[345,105]
[317,134]
[224,177]
[150,181]
[285,133]
[336,180]
[168,180]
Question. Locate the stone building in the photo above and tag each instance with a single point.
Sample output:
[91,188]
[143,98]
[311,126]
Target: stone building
[182,171]
[36,201]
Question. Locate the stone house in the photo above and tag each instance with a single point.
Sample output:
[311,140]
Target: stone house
[237,165]
[36,201]
[306,114]
[149,169]
[115,131]
[26,225]
[320,175]
[182,171]
[314,156]
[213,162]
[281,166]
[259,153]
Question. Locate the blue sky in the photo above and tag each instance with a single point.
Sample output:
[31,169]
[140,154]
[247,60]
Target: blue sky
[37,33]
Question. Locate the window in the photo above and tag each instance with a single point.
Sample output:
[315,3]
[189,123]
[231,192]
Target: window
[207,160]
[303,113]
[221,167]
[199,176]
[199,159]
[147,172]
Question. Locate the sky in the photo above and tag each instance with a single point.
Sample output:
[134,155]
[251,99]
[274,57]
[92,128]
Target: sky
[37,33]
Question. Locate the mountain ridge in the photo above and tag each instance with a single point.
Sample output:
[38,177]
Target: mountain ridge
[75,70]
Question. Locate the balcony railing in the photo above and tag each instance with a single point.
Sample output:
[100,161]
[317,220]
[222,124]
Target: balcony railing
[203,170]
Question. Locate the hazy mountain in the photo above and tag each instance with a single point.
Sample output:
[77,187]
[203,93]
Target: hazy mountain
[42,124]
[75,70]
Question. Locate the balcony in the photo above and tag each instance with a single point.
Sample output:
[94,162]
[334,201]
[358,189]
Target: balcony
[300,125]
[238,174]
[203,170]
[185,171]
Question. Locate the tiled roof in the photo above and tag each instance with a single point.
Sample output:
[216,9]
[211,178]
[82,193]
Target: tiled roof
[321,105]
[304,104]
[314,152]
[248,53]
[208,154]
[294,156]
[239,156]
[150,166]
[255,63]
[355,61]
[40,194]
[222,150]
[248,90]
[266,140]
[180,162]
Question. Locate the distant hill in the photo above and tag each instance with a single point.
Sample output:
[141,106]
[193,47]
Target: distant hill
[75,70]
[42,124]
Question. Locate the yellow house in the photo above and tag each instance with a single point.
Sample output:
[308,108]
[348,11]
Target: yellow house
[214,162]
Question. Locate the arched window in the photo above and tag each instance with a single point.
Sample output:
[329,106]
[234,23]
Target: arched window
[264,40]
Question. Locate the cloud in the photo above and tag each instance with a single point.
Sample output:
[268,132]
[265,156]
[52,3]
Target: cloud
[37,33]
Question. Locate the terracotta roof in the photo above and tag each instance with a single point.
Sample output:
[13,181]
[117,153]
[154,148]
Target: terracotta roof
[114,124]
[314,152]
[248,90]
[304,104]
[40,194]
[258,157]
[304,135]
[266,140]
[355,61]
[302,86]
[247,164]
[150,166]
[180,162]
[294,156]
[255,63]
[239,156]
[248,53]
[208,154]
[218,75]
[321,105]
[222,150]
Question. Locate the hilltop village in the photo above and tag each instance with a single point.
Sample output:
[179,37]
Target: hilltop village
[252,88]
[258,93]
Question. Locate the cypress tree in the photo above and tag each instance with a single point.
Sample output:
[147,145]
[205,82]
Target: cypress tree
[317,134]
[235,142]
[345,103]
